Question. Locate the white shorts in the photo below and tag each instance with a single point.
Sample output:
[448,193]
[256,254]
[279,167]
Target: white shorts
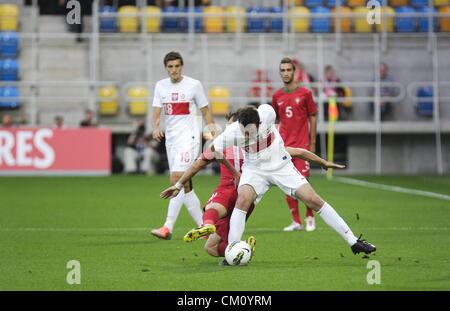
[287,178]
[181,156]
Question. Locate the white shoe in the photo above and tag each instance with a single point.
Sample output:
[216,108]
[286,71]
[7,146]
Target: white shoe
[310,224]
[294,226]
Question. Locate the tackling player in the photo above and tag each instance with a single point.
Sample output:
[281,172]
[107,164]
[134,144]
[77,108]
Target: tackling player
[297,114]
[179,96]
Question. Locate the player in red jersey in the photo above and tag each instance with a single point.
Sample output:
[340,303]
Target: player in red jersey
[297,114]
[218,209]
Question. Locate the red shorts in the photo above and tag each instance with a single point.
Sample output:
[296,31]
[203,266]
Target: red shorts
[224,195]
[302,166]
[223,225]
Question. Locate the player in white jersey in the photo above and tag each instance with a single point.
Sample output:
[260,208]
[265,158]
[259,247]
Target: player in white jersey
[266,164]
[179,97]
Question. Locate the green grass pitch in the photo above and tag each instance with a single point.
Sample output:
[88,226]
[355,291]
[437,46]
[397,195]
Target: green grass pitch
[104,224]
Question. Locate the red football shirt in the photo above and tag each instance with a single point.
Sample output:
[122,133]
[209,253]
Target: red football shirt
[235,156]
[293,109]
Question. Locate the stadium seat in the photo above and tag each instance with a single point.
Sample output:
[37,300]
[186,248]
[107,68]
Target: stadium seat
[347,103]
[356,3]
[360,19]
[386,19]
[404,23]
[320,24]
[198,21]
[9,17]
[232,22]
[108,24]
[298,23]
[444,22]
[295,2]
[344,21]
[332,3]
[128,23]
[425,108]
[423,21]
[9,96]
[256,24]
[312,3]
[173,23]
[9,70]
[152,23]
[439,3]
[108,103]
[219,99]
[9,44]
[213,23]
[138,99]
[418,3]
[397,3]
[276,23]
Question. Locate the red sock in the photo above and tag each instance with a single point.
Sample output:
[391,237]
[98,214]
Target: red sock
[222,246]
[309,212]
[210,216]
[293,207]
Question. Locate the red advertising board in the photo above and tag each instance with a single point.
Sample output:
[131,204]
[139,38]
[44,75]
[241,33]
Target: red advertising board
[85,151]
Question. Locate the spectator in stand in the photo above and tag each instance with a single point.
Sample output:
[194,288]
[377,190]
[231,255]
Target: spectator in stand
[385,91]
[255,90]
[7,121]
[330,76]
[88,120]
[59,122]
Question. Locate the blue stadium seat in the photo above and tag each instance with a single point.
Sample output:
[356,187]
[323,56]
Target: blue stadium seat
[255,23]
[418,3]
[198,21]
[108,24]
[9,70]
[425,108]
[320,24]
[9,44]
[312,3]
[173,24]
[423,21]
[332,3]
[276,23]
[403,23]
[10,92]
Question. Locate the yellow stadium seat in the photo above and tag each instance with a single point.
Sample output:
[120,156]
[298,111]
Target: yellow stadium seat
[9,17]
[219,98]
[138,99]
[439,3]
[396,3]
[128,23]
[152,23]
[344,21]
[232,22]
[299,24]
[444,22]
[360,20]
[385,19]
[347,103]
[295,2]
[213,23]
[108,103]
[356,3]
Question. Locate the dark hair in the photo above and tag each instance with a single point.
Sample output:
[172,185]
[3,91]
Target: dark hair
[248,115]
[233,115]
[172,56]
[287,60]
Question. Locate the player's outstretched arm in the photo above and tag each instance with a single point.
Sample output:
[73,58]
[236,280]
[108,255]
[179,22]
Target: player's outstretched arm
[199,164]
[311,157]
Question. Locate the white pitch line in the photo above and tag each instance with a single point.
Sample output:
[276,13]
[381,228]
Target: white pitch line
[368,184]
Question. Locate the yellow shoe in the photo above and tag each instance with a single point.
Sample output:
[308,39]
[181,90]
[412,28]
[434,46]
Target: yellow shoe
[199,232]
[251,241]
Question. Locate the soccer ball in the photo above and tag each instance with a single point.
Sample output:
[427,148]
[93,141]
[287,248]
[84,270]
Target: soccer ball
[238,253]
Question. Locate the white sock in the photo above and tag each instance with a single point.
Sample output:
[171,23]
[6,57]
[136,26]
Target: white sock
[332,219]
[237,225]
[193,206]
[174,209]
